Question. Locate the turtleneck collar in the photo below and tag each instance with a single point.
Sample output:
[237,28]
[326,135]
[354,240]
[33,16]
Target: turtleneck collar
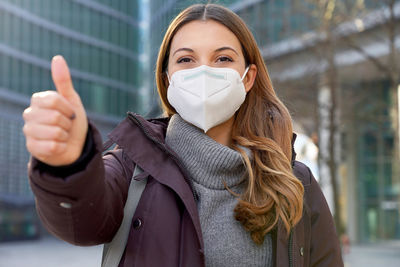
[208,162]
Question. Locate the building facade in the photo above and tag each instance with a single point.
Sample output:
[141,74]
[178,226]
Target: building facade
[99,40]
[364,122]
[289,36]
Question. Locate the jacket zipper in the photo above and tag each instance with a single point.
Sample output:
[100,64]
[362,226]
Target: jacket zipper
[291,249]
[164,149]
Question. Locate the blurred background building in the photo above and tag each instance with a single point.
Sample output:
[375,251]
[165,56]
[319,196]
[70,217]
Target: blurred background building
[99,39]
[339,76]
[332,62]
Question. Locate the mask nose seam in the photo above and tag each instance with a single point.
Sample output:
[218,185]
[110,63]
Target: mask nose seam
[205,71]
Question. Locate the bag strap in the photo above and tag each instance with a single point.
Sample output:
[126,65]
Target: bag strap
[112,252]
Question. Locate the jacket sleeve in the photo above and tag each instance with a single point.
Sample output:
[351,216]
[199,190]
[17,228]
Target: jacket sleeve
[325,249]
[83,207]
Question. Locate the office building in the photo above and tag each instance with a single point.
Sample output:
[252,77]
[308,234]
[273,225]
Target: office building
[99,40]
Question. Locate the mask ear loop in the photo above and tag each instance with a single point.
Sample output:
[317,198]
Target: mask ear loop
[169,80]
[245,72]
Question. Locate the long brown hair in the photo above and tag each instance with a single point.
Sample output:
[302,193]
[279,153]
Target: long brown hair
[262,124]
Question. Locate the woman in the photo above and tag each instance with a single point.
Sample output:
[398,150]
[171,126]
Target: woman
[223,187]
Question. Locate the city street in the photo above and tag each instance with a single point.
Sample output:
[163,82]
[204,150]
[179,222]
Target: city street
[49,252]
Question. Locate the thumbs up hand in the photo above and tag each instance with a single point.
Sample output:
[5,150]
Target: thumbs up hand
[55,122]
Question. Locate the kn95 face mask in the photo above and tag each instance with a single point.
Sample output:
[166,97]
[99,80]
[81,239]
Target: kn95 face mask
[205,96]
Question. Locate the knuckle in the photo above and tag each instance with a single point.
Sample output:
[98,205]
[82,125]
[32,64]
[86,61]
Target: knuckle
[68,124]
[53,147]
[53,101]
[30,145]
[25,114]
[58,133]
[25,129]
[36,95]
[56,117]
[42,98]
[34,99]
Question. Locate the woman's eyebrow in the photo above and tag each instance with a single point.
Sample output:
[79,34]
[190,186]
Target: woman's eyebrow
[183,49]
[226,48]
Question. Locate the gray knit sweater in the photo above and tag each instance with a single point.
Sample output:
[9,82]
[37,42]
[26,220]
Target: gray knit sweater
[209,163]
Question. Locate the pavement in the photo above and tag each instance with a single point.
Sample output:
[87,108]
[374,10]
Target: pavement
[383,254]
[50,252]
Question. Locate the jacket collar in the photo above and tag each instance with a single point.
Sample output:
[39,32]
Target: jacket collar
[143,141]
[158,126]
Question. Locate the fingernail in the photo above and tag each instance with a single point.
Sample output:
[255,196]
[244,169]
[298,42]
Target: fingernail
[56,57]
[73,116]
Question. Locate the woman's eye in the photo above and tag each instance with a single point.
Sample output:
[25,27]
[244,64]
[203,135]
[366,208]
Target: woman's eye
[184,60]
[225,59]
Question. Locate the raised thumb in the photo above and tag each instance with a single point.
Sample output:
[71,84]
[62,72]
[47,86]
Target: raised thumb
[62,78]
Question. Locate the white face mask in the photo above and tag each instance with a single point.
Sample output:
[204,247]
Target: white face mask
[206,96]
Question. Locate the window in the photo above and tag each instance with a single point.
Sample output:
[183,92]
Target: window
[76,16]
[86,93]
[95,24]
[34,82]
[15,31]
[131,39]
[76,50]
[85,20]
[113,100]
[56,45]
[3,26]
[65,8]
[114,66]
[5,71]
[105,28]
[132,72]
[35,42]
[114,31]
[122,105]
[45,44]
[99,98]
[45,81]
[88,58]
[25,77]
[94,60]
[105,63]
[14,77]
[122,73]
[66,50]
[124,34]
[47,9]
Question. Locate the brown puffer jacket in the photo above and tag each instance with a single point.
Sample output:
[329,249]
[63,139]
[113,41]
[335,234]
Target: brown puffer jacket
[83,203]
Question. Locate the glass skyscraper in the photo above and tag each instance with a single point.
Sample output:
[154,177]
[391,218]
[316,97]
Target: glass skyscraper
[99,40]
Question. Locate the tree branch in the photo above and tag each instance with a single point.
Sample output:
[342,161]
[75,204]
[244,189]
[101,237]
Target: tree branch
[375,61]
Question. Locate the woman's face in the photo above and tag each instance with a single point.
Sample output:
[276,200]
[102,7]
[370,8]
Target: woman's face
[206,43]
